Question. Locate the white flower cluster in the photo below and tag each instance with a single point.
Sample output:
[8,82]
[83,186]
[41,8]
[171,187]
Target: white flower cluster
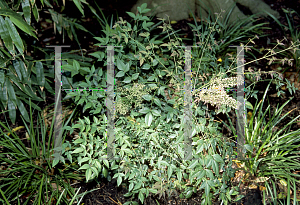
[228,82]
[121,107]
[216,94]
[131,95]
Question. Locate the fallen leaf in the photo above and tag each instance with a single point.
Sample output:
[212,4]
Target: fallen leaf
[252,186]
[261,179]
[262,188]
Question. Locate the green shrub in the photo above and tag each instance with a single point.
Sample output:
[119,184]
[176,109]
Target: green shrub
[149,124]
[154,125]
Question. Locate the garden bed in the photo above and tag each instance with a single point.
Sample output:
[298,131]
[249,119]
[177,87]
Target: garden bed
[109,193]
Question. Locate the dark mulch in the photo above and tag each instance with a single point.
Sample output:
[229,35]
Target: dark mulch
[109,193]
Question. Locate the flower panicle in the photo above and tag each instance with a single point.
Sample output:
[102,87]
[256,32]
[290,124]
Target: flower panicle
[131,95]
[216,95]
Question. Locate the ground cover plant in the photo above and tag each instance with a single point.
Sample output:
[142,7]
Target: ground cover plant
[272,152]
[27,170]
[149,123]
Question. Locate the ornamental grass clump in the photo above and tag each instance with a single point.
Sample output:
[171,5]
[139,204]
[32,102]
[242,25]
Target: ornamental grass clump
[271,152]
[27,176]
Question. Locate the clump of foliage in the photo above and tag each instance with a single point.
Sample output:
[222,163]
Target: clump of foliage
[149,137]
[149,140]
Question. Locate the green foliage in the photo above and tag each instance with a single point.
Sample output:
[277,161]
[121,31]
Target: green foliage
[14,72]
[149,140]
[19,81]
[149,116]
[291,56]
[149,131]
[224,33]
[271,153]
[61,23]
[26,170]
[20,77]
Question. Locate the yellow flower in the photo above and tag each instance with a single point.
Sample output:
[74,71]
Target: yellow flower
[249,115]
[220,60]
[15,129]
[132,120]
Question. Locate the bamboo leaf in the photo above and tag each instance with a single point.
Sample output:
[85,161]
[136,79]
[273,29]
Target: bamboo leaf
[22,109]
[23,70]
[12,111]
[3,95]
[14,35]
[79,6]
[5,36]
[16,81]
[30,67]
[33,2]
[35,13]
[26,11]
[18,21]
[32,94]
[24,89]
[11,92]
[34,106]
[2,77]
[40,74]
[48,87]
[18,69]
[3,5]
